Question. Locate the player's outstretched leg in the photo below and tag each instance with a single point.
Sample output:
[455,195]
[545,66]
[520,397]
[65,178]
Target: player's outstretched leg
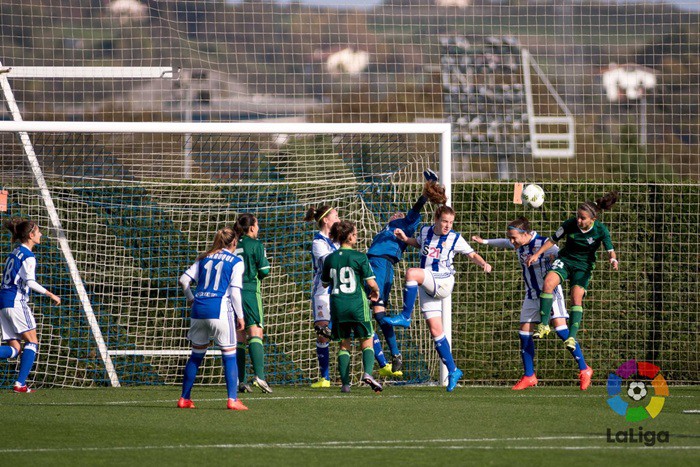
[410,293]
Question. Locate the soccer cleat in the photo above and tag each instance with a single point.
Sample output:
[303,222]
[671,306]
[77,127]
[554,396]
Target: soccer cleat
[430,176]
[371,382]
[452,379]
[398,321]
[242,387]
[570,343]
[525,382]
[386,371]
[183,403]
[323,331]
[321,383]
[235,404]
[396,363]
[585,377]
[345,388]
[262,384]
[541,332]
[22,388]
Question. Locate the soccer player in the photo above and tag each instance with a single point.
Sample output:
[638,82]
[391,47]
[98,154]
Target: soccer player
[218,273]
[346,272]
[386,251]
[325,216]
[252,251]
[434,280]
[525,241]
[16,318]
[584,235]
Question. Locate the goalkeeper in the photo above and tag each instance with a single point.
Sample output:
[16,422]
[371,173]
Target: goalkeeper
[386,250]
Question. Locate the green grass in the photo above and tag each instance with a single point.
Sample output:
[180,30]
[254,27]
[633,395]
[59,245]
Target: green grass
[300,426]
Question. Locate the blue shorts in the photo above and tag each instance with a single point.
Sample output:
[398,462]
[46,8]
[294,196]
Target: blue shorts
[384,275]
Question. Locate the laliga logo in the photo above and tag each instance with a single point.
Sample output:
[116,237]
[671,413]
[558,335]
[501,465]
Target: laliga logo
[637,389]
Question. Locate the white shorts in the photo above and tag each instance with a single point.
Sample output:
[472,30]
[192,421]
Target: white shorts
[322,307]
[435,287]
[222,331]
[15,321]
[530,312]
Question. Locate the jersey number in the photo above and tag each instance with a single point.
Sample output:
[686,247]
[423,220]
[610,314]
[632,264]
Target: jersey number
[347,284]
[217,279]
[558,264]
[432,252]
[9,266]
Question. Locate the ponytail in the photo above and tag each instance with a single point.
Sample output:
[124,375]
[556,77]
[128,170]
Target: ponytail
[20,228]
[223,238]
[318,213]
[594,208]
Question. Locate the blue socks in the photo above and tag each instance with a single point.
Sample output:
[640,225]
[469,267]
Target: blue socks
[388,331]
[26,362]
[577,353]
[378,354]
[445,353]
[324,359]
[7,351]
[410,293]
[228,360]
[527,352]
[191,369]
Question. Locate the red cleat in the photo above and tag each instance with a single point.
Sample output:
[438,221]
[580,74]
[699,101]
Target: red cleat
[236,404]
[22,389]
[185,403]
[585,377]
[525,382]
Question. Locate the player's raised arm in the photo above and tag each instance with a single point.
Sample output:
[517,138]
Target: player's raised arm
[545,246]
[479,261]
[401,235]
[494,242]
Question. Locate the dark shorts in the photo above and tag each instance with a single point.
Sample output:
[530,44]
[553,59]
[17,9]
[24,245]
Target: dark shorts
[576,276]
[352,329]
[252,309]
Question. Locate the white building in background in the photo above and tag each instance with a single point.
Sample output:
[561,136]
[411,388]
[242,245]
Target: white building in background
[453,3]
[629,82]
[347,61]
[128,12]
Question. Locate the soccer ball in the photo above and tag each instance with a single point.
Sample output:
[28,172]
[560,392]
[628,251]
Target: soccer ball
[637,390]
[533,196]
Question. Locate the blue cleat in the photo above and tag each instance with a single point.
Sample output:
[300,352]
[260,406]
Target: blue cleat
[453,378]
[430,176]
[398,320]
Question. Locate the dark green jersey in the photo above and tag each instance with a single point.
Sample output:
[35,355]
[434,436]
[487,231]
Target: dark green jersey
[580,249]
[346,271]
[257,267]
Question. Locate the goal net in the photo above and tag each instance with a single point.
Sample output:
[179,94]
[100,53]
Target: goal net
[137,205]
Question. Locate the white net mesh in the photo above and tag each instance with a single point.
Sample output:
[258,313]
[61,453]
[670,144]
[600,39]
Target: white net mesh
[612,87]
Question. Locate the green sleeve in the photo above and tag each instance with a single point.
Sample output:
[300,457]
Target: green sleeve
[263,264]
[565,228]
[607,242]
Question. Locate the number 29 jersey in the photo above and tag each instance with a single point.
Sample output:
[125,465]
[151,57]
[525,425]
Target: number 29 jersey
[215,275]
[438,251]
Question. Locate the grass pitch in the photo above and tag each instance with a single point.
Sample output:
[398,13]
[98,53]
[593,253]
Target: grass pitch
[301,426]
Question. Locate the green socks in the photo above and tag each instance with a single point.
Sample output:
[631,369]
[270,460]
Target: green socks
[240,361]
[344,366]
[575,320]
[546,300]
[368,360]
[257,356]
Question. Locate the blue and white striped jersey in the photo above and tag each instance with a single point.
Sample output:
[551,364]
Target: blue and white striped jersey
[215,275]
[19,270]
[438,251]
[533,276]
[321,247]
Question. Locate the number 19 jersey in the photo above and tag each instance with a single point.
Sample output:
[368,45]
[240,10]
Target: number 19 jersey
[347,270]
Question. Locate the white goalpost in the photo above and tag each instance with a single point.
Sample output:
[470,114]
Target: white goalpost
[368,170]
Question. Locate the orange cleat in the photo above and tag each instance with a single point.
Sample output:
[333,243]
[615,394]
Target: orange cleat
[236,404]
[185,403]
[22,389]
[525,382]
[585,377]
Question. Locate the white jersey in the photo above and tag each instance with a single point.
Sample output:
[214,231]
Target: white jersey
[321,247]
[438,251]
[534,275]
